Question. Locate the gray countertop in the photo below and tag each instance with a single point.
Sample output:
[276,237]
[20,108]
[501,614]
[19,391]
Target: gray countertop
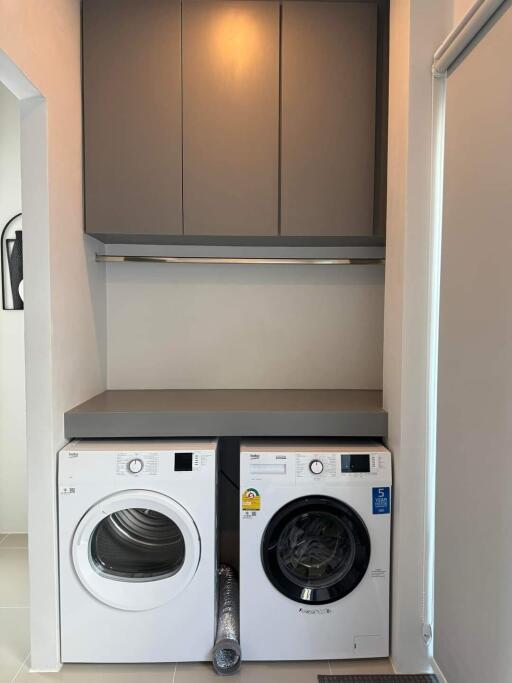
[229,412]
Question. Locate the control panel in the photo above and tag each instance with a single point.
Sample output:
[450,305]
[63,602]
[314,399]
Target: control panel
[148,463]
[137,463]
[315,466]
[328,467]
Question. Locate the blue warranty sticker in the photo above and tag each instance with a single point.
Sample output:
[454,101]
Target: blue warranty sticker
[381,500]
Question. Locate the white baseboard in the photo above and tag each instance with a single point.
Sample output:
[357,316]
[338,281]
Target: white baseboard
[438,672]
[434,665]
[46,671]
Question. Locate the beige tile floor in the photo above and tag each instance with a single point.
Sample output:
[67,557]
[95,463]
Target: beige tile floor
[15,656]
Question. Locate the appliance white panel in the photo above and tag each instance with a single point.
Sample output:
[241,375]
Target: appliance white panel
[137,525]
[332,511]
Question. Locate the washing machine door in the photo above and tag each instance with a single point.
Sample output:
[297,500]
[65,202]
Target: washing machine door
[315,550]
[136,550]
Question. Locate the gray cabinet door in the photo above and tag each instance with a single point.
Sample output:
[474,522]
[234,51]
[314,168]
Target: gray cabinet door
[132,116]
[329,59]
[230,117]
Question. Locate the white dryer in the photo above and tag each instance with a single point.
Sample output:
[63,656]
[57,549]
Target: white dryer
[314,551]
[137,526]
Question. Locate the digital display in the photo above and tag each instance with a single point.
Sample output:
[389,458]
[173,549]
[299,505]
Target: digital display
[358,462]
[183,462]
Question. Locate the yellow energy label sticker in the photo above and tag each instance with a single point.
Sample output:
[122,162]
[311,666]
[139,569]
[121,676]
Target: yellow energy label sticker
[251,500]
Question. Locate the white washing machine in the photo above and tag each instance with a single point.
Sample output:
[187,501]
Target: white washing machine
[137,528]
[314,551]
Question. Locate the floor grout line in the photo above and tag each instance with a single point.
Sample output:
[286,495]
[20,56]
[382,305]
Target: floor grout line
[22,666]
[3,539]
[174,672]
[330,667]
[14,606]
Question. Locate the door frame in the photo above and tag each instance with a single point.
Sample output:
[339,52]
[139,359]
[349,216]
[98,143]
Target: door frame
[38,337]
[467,32]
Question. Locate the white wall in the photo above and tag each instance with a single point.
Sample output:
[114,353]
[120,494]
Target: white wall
[460,7]
[64,288]
[13,475]
[417,29]
[244,326]
[473,607]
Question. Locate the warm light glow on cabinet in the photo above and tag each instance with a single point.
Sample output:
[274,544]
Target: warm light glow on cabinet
[236,42]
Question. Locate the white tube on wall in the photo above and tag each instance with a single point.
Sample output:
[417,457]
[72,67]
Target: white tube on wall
[459,39]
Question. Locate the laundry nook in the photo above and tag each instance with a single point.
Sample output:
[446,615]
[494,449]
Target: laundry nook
[256,341]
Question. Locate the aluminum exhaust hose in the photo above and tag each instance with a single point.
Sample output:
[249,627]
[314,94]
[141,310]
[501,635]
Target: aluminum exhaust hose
[226,651]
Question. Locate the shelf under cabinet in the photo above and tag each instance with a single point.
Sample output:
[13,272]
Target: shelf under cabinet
[361,248]
[229,412]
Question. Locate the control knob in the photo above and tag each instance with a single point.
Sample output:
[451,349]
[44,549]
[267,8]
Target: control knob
[136,465]
[316,466]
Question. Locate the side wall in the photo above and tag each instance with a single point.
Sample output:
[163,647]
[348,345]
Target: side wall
[473,606]
[417,28]
[13,472]
[64,288]
[460,7]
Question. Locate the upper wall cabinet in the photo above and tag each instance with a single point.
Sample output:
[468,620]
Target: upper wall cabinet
[132,116]
[329,60]
[235,121]
[230,117]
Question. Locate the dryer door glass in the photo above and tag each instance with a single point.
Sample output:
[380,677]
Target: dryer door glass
[137,543]
[315,550]
[136,549]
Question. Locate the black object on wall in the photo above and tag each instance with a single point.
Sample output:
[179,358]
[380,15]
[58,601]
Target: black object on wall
[12,264]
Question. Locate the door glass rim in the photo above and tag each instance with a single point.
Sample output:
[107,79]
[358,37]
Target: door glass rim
[315,595]
[135,595]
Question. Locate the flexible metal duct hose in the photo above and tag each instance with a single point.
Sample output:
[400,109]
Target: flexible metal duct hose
[226,651]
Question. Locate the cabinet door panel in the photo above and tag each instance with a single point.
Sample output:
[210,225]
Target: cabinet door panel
[230,117]
[132,116]
[328,118]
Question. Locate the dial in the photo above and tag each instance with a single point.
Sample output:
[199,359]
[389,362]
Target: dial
[316,466]
[136,465]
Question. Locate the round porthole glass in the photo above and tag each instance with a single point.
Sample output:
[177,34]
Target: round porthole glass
[315,550]
[137,544]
